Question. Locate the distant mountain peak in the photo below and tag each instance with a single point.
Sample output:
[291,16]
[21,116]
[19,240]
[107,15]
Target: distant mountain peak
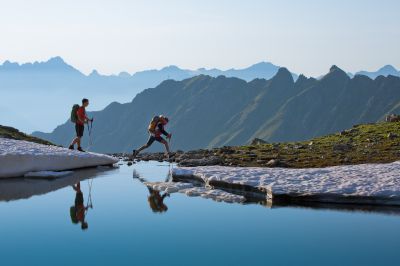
[283,72]
[56,60]
[262,64]
[301,78]
[94,73]
[336,73]
[171,67]
[283,75]
[383,71]
[335,68]
[388,68]
[124,74]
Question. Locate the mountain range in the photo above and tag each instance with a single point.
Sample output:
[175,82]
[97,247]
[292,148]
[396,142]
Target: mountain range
[210,111]
[49,83]
[384,71]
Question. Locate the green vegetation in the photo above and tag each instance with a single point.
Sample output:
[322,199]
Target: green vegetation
[369,143]
[12,133]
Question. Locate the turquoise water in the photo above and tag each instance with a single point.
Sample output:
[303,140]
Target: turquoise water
[124,230]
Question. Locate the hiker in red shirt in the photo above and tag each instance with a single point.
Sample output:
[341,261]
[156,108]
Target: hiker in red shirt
[81,119]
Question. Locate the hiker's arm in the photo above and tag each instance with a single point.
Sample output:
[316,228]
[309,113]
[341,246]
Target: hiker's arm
[162,130]
[87,118]
[165,195]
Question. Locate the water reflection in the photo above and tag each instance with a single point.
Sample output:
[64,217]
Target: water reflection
[155,199]
[78,211]
[23,188]
[159,188]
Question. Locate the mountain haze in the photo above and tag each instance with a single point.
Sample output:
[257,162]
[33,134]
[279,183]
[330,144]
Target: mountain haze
[48,83]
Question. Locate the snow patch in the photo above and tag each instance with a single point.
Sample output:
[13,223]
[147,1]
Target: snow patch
[380,181]
[18,158]
[193,191]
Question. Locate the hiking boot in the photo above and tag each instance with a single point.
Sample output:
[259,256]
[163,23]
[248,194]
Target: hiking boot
[71,147]
[80,149]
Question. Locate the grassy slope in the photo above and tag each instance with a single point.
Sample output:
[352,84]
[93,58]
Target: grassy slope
[12,133]
[368,143]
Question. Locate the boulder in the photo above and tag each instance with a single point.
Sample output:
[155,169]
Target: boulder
[258,141]
[341,147]
[272,163]
[212,160]
[392,118]
[392,135]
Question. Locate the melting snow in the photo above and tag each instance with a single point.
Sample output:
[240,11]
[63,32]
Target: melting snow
[18,158]
[364,180]
[193,191]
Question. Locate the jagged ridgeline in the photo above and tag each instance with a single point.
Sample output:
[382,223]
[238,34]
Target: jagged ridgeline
[209,112]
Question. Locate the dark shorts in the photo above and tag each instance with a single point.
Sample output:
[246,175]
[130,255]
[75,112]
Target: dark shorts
[79,130]
[78,198]
[153,138]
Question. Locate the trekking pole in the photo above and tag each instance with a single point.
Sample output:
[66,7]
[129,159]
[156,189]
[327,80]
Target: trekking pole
[89,200]
[90,134]
[169,161]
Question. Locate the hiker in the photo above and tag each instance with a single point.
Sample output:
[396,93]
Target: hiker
[156,129]
[79,210]
[78,116]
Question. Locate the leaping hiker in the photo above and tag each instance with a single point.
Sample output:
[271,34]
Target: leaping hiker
[78,116]
[156,129]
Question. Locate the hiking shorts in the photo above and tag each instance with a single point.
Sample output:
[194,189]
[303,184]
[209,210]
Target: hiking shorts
[78,198]
[79,130]
[154,138]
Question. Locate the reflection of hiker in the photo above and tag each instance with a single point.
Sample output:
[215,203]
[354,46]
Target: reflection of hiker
[78,116]
[156,201]
[156,129]
[78,211]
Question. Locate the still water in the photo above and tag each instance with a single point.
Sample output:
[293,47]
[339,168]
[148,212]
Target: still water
[38,226]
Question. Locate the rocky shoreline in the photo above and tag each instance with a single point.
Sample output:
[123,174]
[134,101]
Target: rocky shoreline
[369,143]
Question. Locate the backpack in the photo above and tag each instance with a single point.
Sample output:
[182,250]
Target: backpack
[74,115]
[153,124]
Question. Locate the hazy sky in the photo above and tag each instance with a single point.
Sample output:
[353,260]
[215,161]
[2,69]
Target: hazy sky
[116,35]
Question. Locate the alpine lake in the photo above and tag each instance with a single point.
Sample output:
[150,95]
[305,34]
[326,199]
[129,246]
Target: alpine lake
[110,217]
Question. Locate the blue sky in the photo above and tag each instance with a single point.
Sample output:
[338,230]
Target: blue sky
[112,36]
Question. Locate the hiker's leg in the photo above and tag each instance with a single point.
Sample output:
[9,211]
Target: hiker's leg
[79,134]
[145,146]
[74,141]
[166,145]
